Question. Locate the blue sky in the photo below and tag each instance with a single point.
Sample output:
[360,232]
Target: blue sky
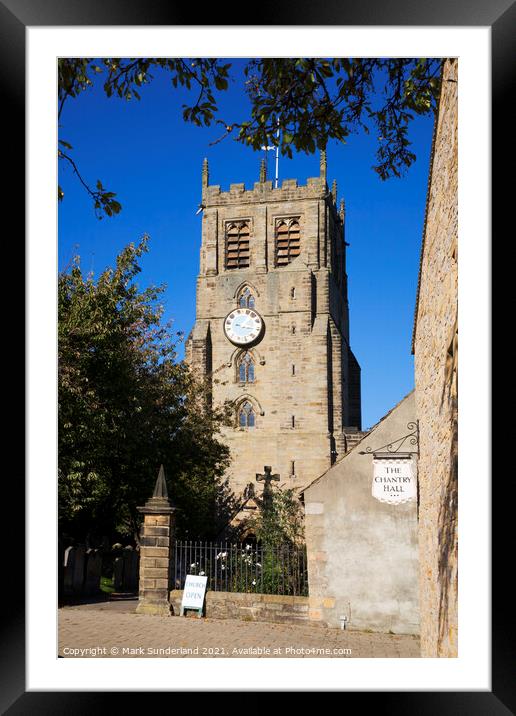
[152,159]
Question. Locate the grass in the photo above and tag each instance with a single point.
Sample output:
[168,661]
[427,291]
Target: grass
[106,585]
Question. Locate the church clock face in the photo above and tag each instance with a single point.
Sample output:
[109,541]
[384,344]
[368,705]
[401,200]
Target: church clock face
[243,326]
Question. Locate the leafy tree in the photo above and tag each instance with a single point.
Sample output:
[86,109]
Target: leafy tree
[310,100]
[279,527]
[126,405]
[313,100]
[280,520]
[123,78]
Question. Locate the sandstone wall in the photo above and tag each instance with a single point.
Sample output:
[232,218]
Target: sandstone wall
[249,607]
[435,349]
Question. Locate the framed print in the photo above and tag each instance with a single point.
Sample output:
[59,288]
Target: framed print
[338,511]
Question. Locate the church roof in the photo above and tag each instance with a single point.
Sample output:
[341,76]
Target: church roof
[366,435]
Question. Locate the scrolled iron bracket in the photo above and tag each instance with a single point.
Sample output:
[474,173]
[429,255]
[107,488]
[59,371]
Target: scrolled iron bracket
[394,447]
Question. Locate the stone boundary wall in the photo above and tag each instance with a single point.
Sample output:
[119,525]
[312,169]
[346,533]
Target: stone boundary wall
[250,607]
[435,351]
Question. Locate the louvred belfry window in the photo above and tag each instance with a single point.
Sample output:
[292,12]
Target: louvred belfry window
[237,245]
[288,244]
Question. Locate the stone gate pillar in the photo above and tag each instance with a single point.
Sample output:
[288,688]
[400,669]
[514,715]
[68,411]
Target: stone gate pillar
[155,546]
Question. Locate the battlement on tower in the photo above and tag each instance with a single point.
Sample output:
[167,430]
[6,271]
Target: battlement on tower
[289,190]
[263,191]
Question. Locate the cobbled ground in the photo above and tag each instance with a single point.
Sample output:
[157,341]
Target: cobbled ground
[112,629]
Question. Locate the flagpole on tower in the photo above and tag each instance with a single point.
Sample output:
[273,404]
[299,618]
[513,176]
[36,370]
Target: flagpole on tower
[269,148]
[277,158]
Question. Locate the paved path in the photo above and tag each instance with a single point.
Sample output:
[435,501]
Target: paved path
[112,629]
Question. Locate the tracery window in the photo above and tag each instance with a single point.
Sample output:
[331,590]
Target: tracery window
[246,418]
[246,369]
[237,245]
[288,244]
[246,299]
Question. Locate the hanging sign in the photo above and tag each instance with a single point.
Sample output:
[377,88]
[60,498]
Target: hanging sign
[394,480]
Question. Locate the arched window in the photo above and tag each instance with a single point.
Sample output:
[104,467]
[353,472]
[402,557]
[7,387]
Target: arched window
[246,299]
[287,241]
[246,369]
[246,415]
[237,245]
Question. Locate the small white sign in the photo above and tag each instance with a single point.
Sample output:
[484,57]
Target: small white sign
[193,593]
[394,480]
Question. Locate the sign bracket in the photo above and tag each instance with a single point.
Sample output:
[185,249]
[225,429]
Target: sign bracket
[394,448]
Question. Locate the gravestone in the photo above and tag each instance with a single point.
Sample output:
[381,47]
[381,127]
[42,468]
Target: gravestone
[130,559]
[69,567]
[60,569]
[132,571]
[79,570]
[114,553]
[93,571]
[118,573]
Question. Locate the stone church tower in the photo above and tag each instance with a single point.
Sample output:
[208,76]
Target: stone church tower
[272,326]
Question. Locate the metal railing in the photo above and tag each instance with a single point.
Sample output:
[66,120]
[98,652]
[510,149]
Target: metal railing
[240,567]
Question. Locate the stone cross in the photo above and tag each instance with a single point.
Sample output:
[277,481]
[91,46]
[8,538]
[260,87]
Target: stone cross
[155,548]
[267,478]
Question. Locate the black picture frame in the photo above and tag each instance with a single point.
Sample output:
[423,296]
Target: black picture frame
[15,17]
